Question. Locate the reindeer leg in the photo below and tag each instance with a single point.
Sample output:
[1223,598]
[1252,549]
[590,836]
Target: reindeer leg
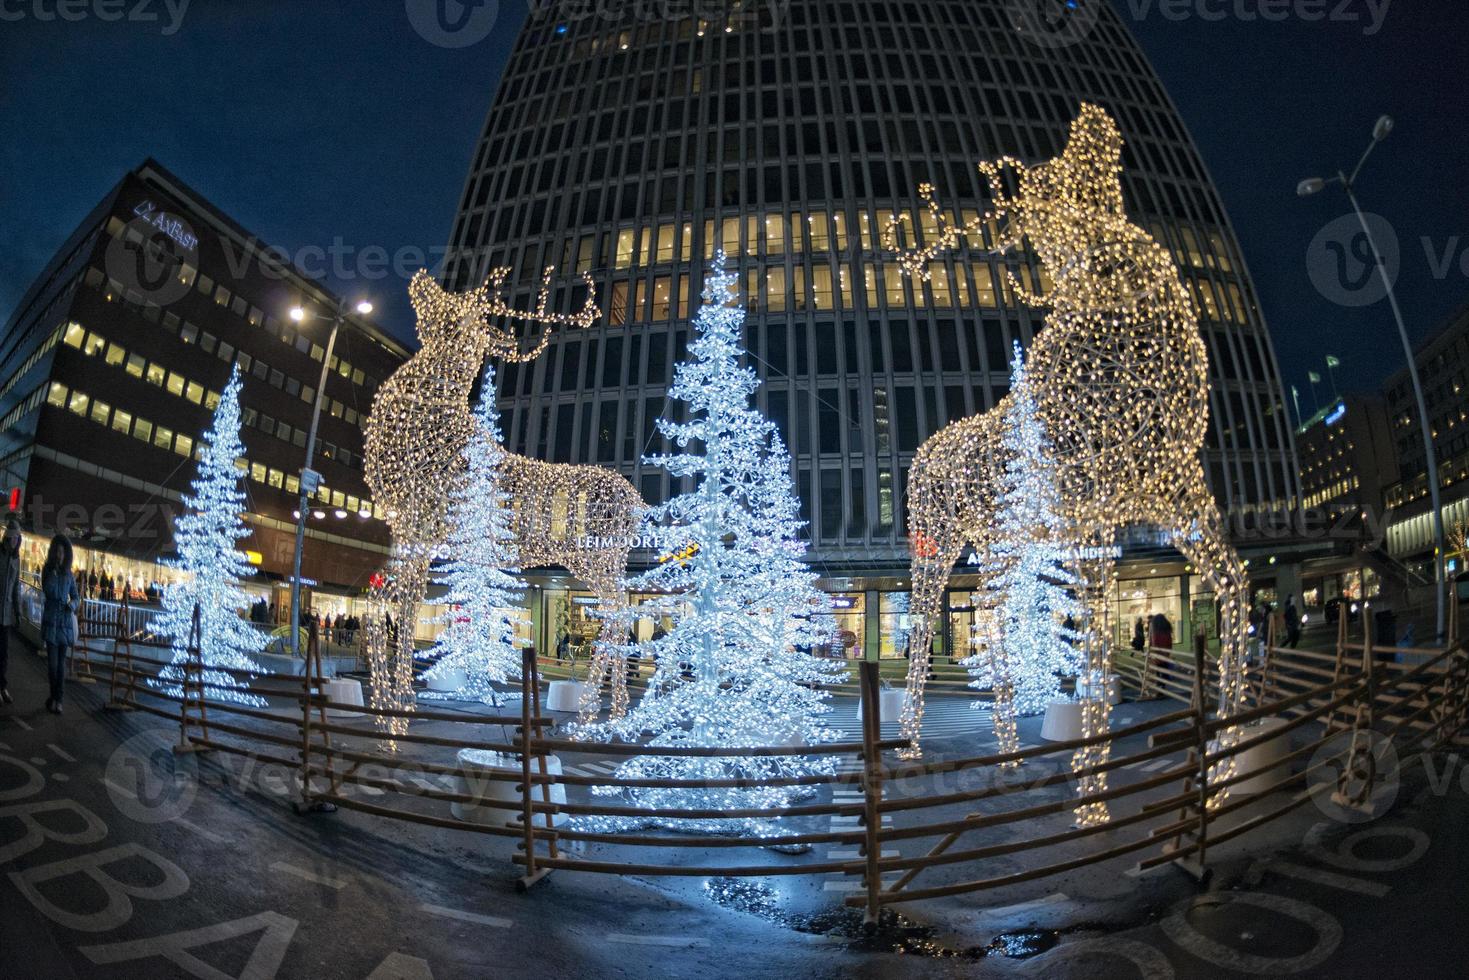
[937,542]
[1199,534]
[1096,710]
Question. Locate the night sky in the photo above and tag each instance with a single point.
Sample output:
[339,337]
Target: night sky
[323,123]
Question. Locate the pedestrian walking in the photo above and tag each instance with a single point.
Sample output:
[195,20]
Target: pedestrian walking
[58,618]
[1139,635]
[1292,622]
[9,599]
[1162,632]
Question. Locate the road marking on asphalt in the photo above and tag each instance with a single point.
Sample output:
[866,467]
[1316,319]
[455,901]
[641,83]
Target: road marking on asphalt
[853,852]
[282,868]
[1026,906]
[208,835]
[856,885]
[22,723]
[632,940]
[1329,878]
[1157,764]
[462,916]
[60,752]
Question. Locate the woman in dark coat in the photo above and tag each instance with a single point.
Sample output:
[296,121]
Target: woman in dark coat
[58,619]
[9,599]
[1162,637]
[1139,635]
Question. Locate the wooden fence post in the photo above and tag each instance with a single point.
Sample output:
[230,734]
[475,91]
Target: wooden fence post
[192,680]
[527,745]
[122,654]
[1361,759]
[312,676]
[1196,867]
[871,788]
[535,710]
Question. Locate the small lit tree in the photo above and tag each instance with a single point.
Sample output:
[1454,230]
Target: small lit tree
[737,668]
[204,537]
[484,597]
[1027,645]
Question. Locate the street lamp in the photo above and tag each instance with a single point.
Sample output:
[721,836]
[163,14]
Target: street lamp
[310,479]
[1314,185]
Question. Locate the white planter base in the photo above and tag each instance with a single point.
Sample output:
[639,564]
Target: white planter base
[343,691]
[1062,722]
[565,695]
[890,702]
[1267,753]
[475,767]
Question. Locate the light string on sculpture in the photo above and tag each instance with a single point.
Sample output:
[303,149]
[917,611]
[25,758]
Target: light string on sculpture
[1121,379]
[414,443]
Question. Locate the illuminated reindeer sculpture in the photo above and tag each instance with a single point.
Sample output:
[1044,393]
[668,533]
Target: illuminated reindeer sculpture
[1121,376]
[415,438]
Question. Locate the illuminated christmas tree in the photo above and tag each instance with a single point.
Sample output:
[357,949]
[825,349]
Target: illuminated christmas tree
[1027,645]
[205,537]
[740,665]
[484,595]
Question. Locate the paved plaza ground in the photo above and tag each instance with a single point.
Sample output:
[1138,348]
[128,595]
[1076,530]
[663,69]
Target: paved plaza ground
[112,872]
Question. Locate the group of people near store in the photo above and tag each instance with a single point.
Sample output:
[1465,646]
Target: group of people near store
[1266,620]
[105,586]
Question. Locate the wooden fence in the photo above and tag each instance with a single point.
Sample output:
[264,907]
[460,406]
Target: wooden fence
[1173,814]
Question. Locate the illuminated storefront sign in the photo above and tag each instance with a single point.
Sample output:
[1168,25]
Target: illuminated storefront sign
[171,226]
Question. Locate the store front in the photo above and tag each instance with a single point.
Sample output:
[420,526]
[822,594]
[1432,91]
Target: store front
[1142,598]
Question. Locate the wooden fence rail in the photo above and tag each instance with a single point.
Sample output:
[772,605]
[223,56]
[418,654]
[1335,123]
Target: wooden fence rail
[1321,707]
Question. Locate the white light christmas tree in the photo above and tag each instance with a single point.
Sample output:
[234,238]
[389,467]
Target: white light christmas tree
[205,537]
[484,595]
[1026,644]
[737,666]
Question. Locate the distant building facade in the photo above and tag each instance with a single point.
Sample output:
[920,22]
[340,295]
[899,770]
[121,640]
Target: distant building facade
[1443,369]
[110,368]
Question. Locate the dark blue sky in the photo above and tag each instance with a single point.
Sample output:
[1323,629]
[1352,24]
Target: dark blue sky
[336,122]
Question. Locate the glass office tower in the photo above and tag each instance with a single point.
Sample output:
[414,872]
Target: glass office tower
[630,144]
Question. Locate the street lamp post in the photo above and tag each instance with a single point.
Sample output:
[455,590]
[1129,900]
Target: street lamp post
[1314,185]
[309,477]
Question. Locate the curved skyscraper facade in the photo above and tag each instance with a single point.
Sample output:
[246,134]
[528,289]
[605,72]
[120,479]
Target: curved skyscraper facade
[630,146]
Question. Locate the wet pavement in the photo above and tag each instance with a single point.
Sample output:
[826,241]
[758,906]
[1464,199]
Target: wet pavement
[120,860]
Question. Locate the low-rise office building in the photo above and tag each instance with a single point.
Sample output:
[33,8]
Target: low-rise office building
[110,368]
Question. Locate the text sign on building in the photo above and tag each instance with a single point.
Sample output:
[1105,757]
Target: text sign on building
[170,225]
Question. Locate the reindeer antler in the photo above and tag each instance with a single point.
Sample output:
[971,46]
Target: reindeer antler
[504,343]
[914,261]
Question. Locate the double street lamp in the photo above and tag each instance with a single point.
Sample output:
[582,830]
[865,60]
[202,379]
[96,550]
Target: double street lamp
[310,479]
[1314,185]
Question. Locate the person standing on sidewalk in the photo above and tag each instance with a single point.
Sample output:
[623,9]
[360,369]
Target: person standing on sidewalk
[9,598]
[58,620]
